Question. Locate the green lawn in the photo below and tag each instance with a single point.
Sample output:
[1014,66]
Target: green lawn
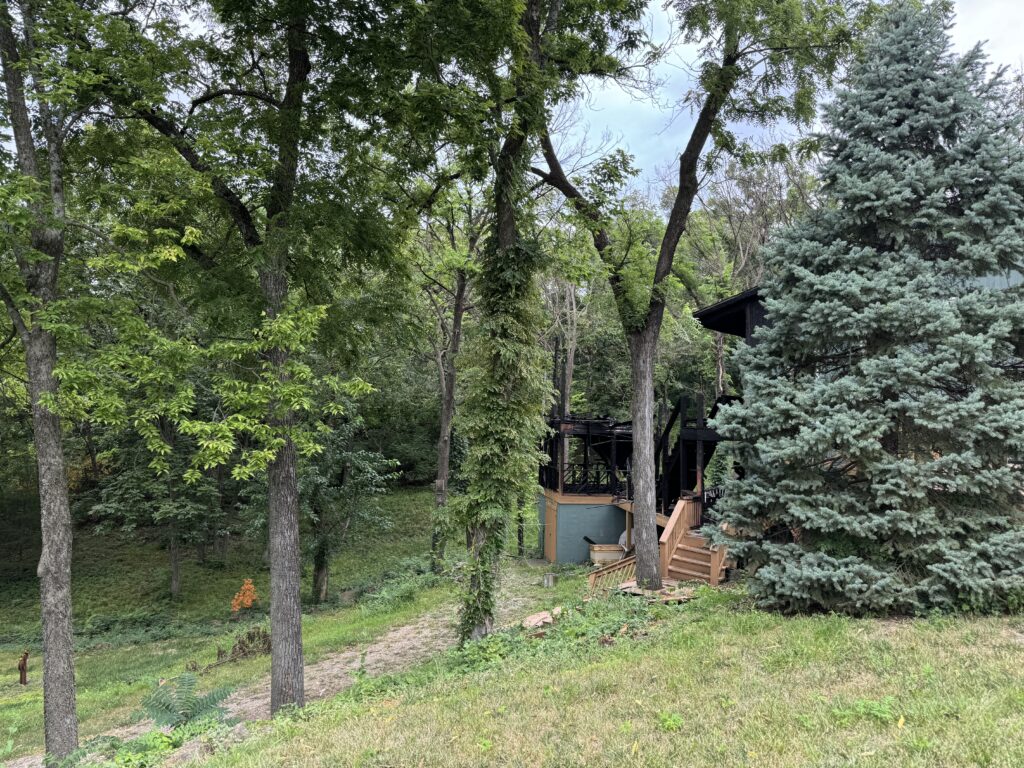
[714,683]
[120,605]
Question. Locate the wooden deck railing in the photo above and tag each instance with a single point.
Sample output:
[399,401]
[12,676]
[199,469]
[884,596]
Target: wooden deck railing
[610,576]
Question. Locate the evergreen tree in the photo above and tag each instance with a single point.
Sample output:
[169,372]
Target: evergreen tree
[882,425]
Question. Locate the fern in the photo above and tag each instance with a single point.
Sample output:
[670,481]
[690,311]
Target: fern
[176,702]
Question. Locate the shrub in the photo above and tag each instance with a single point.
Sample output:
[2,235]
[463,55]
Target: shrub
[244,598]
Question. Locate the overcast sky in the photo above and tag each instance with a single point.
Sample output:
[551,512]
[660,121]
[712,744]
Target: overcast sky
[655,131]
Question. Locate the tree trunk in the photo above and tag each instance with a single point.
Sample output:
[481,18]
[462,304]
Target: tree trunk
[54,571]
[174,552]
[641,354]
[286,673]
[286,670]
[321,557]
[485,551]
[286,663]
[321,574]
[719,364]
[447,372]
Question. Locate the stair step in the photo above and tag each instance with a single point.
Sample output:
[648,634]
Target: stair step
[686,562]
[683,574]
[694,551]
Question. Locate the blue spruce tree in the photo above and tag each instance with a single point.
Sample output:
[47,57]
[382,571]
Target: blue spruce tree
[881,431]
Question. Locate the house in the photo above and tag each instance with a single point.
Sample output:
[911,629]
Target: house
[586,486]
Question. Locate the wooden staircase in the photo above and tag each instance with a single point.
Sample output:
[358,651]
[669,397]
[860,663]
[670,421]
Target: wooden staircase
[685,555]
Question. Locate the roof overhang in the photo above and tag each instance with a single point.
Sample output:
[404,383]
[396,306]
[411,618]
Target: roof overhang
[732,315]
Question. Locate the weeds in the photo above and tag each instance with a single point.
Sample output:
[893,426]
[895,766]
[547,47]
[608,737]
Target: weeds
[175,703]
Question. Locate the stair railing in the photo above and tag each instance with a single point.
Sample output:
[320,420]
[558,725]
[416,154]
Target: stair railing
[685,515]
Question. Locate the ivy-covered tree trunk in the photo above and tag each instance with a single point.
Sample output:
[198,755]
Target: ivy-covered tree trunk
[504,406]
[506,388]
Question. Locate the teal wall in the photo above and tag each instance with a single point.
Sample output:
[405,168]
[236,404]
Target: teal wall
[604,523]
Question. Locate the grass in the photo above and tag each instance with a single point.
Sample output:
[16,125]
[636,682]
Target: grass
[120,586]
[714,683]
[131,634]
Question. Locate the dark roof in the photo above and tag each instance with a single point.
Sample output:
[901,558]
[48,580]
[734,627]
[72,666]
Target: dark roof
[728,315]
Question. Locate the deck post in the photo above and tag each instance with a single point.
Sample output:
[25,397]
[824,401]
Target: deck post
[586,459]
[615,467]
[700,458]
[681,452]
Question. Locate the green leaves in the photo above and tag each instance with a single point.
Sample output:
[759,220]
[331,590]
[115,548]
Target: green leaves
[176,702]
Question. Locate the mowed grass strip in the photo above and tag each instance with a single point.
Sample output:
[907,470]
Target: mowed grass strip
[716,683]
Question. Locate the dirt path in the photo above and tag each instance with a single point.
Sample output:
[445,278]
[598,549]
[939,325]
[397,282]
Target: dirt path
[395,651]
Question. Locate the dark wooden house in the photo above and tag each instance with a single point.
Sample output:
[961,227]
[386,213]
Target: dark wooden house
[586,482]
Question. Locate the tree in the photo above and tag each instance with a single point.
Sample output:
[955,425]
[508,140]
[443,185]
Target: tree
[43,96]
[260,107]
[452,235]
[882,428]
[138,499]
[536,56]
[762,61]
[337,488]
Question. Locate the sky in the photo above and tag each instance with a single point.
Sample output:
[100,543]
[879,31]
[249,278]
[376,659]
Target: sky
[653,130]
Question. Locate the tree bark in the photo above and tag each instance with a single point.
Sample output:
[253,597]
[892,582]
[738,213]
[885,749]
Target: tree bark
[40,274]
[321,574]
[286,673]
[719,364]
[642,346]
[54,570]
[286,659]
[321,557]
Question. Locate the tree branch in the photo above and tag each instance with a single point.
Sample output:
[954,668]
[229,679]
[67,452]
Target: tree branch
[239,212]
[243,92]
[14,313]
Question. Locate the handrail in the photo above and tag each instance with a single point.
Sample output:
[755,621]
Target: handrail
[613,574]
[685,515]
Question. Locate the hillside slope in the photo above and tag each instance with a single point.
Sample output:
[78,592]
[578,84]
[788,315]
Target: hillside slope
[714,683]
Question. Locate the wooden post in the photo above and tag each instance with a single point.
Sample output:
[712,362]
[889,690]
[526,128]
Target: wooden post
[681,450]
[700,448]
[23,669]
[615,467]
[586,458]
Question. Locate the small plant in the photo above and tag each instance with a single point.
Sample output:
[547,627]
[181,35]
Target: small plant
[244,598]
[670,722]
[175,703]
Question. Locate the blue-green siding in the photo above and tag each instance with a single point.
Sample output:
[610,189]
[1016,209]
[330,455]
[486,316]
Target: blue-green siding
[604,523]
